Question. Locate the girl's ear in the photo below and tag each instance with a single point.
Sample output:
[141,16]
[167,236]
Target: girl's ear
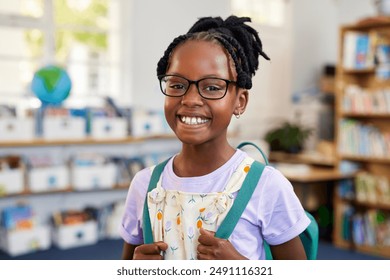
[241,102]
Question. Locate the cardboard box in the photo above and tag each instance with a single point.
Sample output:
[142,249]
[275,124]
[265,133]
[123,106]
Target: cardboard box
[17,129]
[70,236]
[94,177]
[109,128]
[43,179]
[11,181]
[19,242]
[64,128]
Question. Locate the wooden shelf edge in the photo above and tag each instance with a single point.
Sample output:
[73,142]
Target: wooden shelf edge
[86,141]
[358,71]
[367,204]
[119,187]
[305,158]
[365,158]
[364,115]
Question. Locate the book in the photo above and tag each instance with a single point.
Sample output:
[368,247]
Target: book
[357,52]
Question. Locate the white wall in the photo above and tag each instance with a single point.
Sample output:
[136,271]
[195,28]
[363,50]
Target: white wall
[155,28]
[315,43]
[269,97]
[155,25]
[315,34]
[350,11]
[298,52]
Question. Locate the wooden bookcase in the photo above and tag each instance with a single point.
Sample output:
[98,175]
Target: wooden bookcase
[355,116]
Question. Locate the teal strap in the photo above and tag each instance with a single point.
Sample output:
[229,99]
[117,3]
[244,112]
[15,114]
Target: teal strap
[147,227]
[257,148]
[248,186]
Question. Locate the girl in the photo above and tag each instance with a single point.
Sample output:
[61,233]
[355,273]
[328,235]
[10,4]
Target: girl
[205,75]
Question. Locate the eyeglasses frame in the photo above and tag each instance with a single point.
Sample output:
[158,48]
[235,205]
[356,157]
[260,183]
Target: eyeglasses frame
[196,83]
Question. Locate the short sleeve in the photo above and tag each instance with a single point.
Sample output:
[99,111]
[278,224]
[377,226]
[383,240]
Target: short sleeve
[131,226]
[281,213]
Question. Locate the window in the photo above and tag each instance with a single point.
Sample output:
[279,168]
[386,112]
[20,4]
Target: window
[265,12]
[83,36]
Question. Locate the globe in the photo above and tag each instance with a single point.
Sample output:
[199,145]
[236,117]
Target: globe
[51,84]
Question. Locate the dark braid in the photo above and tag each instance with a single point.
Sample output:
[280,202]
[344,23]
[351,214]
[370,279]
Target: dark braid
[162,65]
[235,50]
[240,40]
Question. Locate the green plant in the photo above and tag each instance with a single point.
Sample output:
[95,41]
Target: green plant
[288,137]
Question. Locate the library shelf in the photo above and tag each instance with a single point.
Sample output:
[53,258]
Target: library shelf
[355,129]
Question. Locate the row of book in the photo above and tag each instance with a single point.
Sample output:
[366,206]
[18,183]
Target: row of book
[366,188]
[357,138]
[371,227]
[358,51]
[359,100]
[365,50]
[372,188]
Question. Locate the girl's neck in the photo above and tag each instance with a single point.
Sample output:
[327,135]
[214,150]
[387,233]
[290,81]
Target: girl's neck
[201,160]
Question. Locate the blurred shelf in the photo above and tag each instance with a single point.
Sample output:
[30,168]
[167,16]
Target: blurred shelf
[366,159]
[86,141]
[317,174]
[305,157]
[365,115]
[119,187]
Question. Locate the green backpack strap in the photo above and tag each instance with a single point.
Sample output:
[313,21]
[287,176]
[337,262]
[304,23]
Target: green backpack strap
[147,227]
[242,144]
[244,194]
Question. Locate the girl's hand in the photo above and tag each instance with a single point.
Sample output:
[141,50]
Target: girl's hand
[150,251]
[213,248]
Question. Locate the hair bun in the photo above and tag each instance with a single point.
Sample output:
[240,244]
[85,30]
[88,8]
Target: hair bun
[239,39]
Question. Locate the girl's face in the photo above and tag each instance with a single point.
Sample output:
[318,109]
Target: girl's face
[196,120]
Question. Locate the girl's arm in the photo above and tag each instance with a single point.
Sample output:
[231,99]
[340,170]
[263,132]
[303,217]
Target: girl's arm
[128,251]
[290,250]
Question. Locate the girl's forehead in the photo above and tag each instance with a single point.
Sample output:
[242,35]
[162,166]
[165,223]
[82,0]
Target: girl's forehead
[201,46]
[200,53]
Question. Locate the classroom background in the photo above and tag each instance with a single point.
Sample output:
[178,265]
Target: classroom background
[81,113]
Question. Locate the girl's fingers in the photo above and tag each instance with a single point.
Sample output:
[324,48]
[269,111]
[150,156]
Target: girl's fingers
[206,237]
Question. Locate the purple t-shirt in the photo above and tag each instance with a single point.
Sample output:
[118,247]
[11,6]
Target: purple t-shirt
[274,213]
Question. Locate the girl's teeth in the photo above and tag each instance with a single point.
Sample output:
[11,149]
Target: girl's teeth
[192,120]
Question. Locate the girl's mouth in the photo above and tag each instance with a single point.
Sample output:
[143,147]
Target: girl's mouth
[193,120]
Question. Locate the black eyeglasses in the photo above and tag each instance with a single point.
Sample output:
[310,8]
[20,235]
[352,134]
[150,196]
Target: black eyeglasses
[208,88]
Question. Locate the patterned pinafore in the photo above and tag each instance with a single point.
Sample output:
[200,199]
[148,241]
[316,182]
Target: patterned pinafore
[177,216]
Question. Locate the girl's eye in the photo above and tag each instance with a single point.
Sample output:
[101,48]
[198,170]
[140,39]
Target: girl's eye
[176,86]
[212,88]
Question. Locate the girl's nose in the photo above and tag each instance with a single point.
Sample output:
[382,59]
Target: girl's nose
[192,97]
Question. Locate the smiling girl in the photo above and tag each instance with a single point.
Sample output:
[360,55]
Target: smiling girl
[205,75]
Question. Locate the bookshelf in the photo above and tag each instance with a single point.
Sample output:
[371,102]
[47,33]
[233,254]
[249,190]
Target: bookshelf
[362,204]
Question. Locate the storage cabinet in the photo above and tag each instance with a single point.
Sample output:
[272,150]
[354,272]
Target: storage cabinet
[362,207]
[72,186]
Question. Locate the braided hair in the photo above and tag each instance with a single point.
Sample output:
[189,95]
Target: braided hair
[240,40]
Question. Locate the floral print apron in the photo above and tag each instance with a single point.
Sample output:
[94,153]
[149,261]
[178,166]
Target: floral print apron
[177,216]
